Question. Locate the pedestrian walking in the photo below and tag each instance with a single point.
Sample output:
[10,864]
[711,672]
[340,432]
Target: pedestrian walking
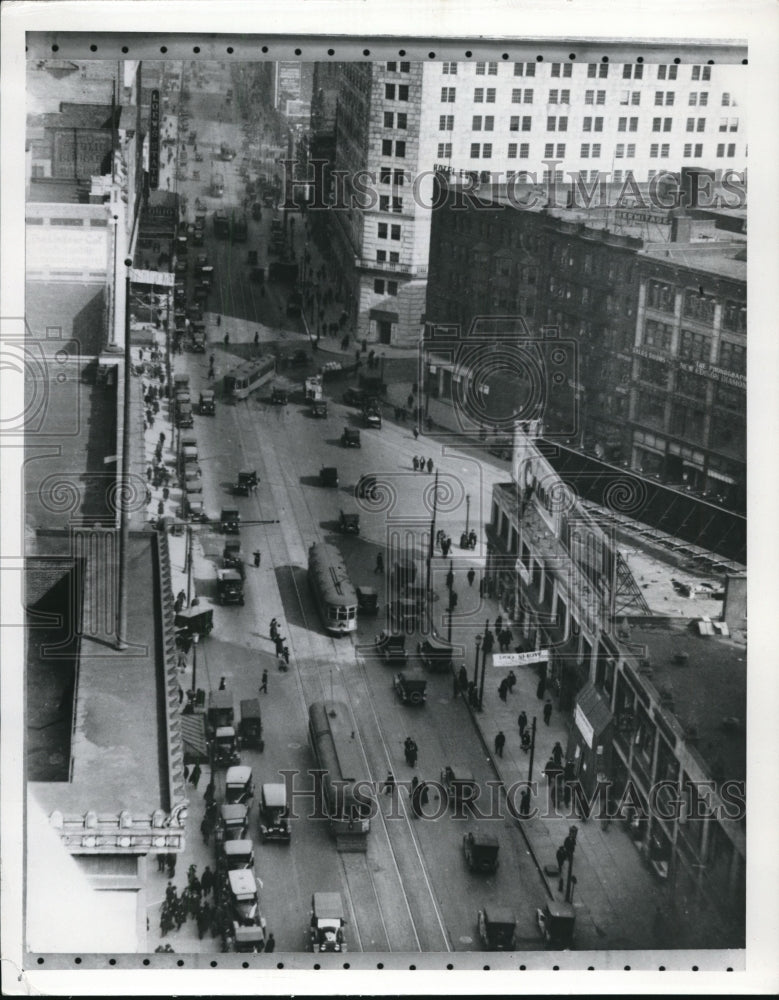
[256,338]
[207,881]
[416,433]
[195,776]
[285,654]
[222,683]
[160,862]
[471,575]
[511,680]
[218,320]
[274,628]
[500,742]
[171,865]
[547,711]
[524,802]
[522,722]
[430,465]
[257,558]
[499,623]
[481,587]
[203,919]
[421,463]
[416,464]
[541,688]
[561,858]
[227,340]
[205,829]
[264,683]
[389,783]
[270,944]
[208,794]
[557,754]
[463,676]
[449,579]
[379,563]
[502,690]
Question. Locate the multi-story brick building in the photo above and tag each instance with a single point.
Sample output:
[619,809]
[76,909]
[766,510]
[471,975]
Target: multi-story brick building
[398,121]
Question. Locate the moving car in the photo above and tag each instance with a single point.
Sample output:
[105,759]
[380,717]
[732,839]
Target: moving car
[436,654]
[232,557]
[239,786]
[247,480]
[319,408]
[460,784]
[497,928]
[481,852]
[349,523]
[410,690]
[367,600]
[232,822]
[391,648]
[243,896]
[229,587]
[328,476]
[355,397]
[327,922]
[230,519]
[207,403]
[350,438]
[372,417]
[366,488]
[250,726]
[235,854]
[274,814]
[225,747]
[279,397]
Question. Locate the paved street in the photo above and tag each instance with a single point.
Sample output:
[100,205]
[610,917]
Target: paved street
[412,890]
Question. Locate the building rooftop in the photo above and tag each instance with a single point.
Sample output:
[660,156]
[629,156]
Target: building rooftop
[718,257]
[58,81]
[709,692]
[90,116]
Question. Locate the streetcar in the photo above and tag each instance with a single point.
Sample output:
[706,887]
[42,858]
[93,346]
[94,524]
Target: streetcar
[331,732]
[335,596]
[248,376]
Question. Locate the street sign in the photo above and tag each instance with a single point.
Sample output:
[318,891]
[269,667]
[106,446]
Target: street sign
[520,659]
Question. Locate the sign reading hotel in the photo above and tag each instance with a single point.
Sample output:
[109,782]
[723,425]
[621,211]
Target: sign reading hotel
[154,140]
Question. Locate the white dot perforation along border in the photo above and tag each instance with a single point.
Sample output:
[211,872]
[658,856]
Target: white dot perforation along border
[242,48]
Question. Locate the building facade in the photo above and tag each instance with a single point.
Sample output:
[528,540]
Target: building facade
[544,122]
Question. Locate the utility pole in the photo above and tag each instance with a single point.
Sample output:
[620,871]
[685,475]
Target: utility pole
[467,512]
[189,563]
[486,647]
[430,552]
[124,493]
[532,750]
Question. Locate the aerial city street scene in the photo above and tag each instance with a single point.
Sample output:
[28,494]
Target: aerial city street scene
[385,505]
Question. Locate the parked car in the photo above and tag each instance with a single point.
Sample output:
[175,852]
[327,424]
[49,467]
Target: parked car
[327,922]
[497,928]
[355,397]
[366,488]
[391,648]
[557,922]
[319,408]
[436,655]
[274,814]
[250,726]
[367,600]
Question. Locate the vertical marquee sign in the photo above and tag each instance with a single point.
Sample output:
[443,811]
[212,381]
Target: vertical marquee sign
[154,140]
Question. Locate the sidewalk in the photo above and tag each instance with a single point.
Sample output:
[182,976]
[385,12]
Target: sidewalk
[619,903]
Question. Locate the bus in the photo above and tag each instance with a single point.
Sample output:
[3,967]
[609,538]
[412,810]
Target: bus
[335,596]
[331,732]
[248,376]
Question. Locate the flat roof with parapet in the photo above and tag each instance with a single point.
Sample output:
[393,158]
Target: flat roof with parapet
[119,755]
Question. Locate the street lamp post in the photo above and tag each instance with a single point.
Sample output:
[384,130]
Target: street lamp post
[467,512]
[532,750]
[486,647]
[476,664]
[195,641]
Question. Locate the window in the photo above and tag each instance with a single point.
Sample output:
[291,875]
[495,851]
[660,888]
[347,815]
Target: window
[633,125]
[557,124]
[624,97]
[449,68]
[636,72]
[392,67]
[726,100]
[381,256]
[481,68]
[596,150]
[389,91]
[476,123]
[698,153]
[635,97]
[446,123]
[665,151]
[617,176]
[512,153]
[549,150]
[659,98]
[552,99]
[386,147]
[657,124]
[524,69]
[587,125]
[701,125]
[560,150]
[524,150]
[660,296]
[448,95]
[392,288]
[527,122]
[405,67]
[667,123]
[731,149]
[694,346]
[478,95]
[475,147]
[382,231]
[690,124]
[514,123]
[384,203]
[733,357]
[402,91]
[486,151]
[389,119]
[402,119]
[400,147]
[620,151]
[585,150]
[598,124]
[701,72]
[653,150]
[651,407]
[444,150]
[491,95]
[556,68]
[489,123]
[630,151]
[385,175]
[394,257]
[527,97]
[690,384]
[592,70]
[658,334]
[667,72]
[622,125]
[589,96]
[378,286]
[395,232]
[600,97]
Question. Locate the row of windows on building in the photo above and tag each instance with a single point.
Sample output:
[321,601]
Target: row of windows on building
[526,95]
[485,150]
[688,421]
[696,346]
[630,71]
[689,384]
[662,296]
[559,123]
